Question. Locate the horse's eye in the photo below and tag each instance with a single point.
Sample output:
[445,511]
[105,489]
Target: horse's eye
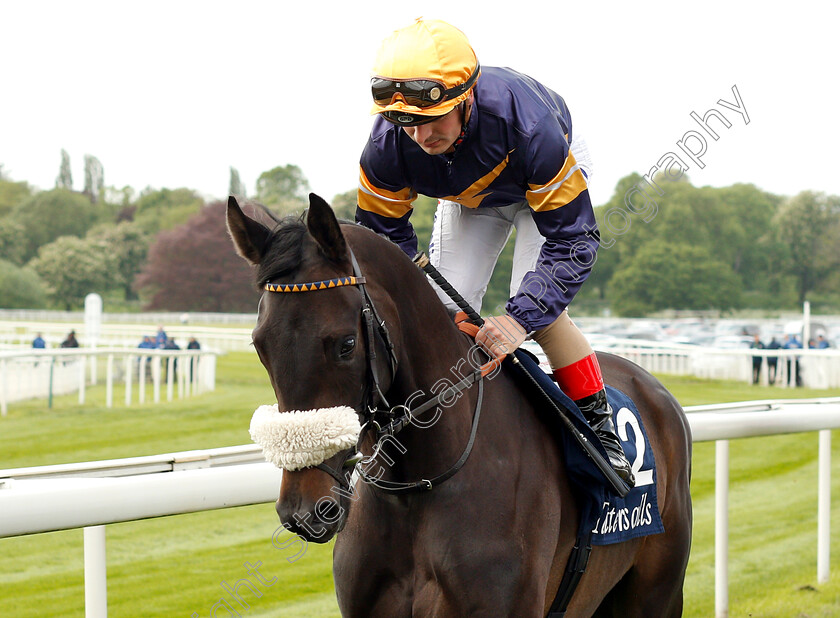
[345,349]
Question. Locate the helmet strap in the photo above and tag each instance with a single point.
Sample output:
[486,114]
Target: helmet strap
[465,118]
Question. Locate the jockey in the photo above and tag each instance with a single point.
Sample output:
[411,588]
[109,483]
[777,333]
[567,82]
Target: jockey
[497,149]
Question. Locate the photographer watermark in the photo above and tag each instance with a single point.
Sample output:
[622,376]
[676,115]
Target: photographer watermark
[671,166]
[639,200]
[328,508]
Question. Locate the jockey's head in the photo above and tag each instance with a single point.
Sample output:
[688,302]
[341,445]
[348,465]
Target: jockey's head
[422,72]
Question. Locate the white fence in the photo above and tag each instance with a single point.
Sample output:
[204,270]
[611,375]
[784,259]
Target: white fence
[16,334]
[817,368]
[146,317]
[35,500]
[26,374]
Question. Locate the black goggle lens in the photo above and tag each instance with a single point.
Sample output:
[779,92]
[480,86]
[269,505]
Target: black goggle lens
[416,92]
[404,119]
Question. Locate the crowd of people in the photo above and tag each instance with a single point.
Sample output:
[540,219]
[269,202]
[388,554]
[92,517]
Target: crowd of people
[161,341]
[790,342]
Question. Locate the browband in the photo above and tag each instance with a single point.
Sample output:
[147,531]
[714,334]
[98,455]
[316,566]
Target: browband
[326,284]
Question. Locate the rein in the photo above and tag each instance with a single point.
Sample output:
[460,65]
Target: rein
[396,487]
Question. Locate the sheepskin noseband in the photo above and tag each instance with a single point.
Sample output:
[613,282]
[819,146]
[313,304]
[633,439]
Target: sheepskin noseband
[304,438]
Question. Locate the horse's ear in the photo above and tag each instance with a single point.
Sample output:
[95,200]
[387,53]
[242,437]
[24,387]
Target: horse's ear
[249,237]
[323,227]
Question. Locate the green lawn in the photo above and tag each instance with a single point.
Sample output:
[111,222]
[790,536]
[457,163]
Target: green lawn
[175,566]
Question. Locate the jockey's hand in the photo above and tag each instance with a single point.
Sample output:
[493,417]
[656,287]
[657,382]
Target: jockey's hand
[500,335]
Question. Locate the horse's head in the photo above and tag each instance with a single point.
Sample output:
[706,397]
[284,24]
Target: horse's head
[313,339]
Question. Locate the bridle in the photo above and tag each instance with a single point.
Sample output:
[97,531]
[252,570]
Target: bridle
[376,403]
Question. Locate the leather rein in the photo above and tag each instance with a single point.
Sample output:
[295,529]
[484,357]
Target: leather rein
[377,404]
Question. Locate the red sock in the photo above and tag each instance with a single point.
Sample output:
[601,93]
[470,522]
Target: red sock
[580,379]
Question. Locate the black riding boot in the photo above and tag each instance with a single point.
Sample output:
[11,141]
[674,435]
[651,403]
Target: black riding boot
[598,414]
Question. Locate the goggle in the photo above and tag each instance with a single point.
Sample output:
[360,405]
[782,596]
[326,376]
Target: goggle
[417,92]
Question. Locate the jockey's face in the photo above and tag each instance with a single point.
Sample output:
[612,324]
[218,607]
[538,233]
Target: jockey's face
[438,136]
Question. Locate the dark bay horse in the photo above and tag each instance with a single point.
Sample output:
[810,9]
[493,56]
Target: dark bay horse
[493,540]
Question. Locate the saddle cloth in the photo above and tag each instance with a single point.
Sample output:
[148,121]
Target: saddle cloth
[610,519]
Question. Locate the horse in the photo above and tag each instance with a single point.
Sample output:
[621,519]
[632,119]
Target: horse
[359,325]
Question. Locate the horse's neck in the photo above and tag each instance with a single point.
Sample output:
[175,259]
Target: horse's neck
[431,351]
[434,357]
[435,351]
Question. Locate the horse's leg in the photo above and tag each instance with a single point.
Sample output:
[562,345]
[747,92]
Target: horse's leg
[495,559]
[494,562]
[653,586]
[372,564]
[653,583]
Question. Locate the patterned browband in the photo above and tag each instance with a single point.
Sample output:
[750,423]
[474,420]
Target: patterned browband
[314,286]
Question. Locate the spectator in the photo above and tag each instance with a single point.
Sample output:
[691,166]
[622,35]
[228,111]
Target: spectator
[147,344]
[794,376]
[193,345]
[39,342]
[772,361]
[70,341]
[171,345]
[756,360]
[160,339]
[822,343]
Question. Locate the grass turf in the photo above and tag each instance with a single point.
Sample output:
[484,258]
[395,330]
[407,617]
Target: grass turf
[176,566]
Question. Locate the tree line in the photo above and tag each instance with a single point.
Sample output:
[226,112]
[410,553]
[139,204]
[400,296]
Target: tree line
[665,245]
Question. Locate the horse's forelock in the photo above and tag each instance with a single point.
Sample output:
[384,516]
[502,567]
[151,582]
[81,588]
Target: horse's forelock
[285,252]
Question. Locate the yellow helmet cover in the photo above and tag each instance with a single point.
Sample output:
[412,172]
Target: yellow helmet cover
[426,51]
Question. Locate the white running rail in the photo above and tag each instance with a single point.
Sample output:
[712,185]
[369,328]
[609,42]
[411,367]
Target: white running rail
[94,494]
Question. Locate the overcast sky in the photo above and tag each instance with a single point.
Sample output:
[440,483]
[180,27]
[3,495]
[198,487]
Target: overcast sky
[172,94]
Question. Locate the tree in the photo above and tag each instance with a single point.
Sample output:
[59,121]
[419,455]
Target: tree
[49,215]
[165,209]
[194,268]
[94,178]
[12,194]
[72,268]
[809,228]
[235,187]
[21,288]
[128,245]
[284,189]
[668,275]
[344,205]
[735,224]
[65,176]
[12,241]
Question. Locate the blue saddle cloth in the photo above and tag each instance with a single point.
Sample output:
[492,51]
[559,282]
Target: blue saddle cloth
[610,519]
